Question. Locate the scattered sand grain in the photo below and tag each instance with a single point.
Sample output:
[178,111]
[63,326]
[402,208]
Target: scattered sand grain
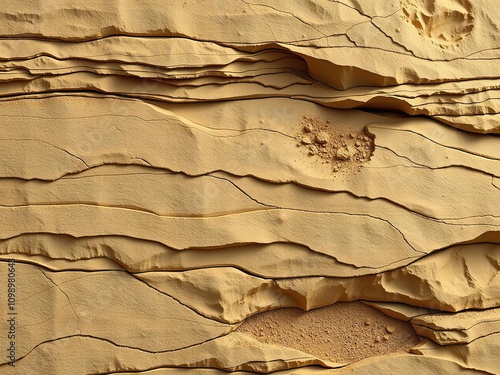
[345,151]
[338,332]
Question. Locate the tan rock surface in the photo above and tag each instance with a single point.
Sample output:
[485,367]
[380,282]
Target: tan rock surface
[460,328]
[183,181]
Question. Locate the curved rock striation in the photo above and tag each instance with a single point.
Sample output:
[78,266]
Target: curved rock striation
[181,182]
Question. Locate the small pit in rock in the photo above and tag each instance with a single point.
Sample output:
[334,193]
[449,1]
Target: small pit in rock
[345,150]
[344,332]
[443,21]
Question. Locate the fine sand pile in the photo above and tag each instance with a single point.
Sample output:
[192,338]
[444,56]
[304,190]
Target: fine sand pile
[346,151]
[344,332]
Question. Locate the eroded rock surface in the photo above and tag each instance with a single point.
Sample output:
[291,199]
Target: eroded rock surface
[204,187]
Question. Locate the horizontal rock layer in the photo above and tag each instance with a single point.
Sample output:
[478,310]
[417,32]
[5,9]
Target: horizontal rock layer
[171,170]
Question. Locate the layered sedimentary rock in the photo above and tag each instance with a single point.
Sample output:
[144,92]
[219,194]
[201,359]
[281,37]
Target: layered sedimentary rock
[203,187]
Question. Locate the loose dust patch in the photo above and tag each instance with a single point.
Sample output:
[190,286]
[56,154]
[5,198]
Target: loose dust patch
[343,332]
[346,151]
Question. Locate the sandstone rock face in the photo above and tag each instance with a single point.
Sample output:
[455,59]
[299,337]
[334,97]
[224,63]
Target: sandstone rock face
[204,187]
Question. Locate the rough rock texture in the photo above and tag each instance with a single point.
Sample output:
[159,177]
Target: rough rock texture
[302,187]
